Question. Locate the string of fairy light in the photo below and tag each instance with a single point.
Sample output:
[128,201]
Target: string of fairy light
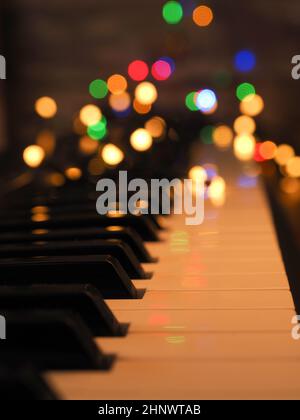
[138,90]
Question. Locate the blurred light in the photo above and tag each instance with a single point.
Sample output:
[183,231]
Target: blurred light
[245,181]
[244,125]
[198,173]
[98,89]
[138,70]
[252,105]
[283,154]
[46,140]
[245,61]
[120,102]
[267,150]
[161,70]
[156,127]
[293,167]
[96,166]
[90,115]
[190,101]
[87,146]
[33,156]
[206,134]
[222,136]
[141,140]
[203,16]
[78,126]
[289,185]
[112,155]
[73,173]
[141,108]
[146,93]
[46,107]
[170,61]
[217,190]
[211,170]
[206,100]
[244,90]
[97,131]
[117,84]
[211,110]
[244,147]
[172,12]
[56,179]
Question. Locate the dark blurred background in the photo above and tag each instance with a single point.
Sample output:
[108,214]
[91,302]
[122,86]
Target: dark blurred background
[56,48]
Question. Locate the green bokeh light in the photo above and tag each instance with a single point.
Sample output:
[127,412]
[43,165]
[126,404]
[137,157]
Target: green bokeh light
[206,134]
[98,131]
[98,89]
[190,101]
[172,12]
[245,89]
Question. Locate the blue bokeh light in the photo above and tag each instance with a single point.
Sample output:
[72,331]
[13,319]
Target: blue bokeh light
[245,61]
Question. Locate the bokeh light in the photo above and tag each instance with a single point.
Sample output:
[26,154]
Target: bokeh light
[138,70]
[47,141]
[33,156]
[156,126]
[206,100]
[203,16]
[190,101]
[206,134]
[141,140]
[267,150]
[252,105]
[244,147]
[46,107]
[244,125]
[289,185]
[73,173]
[97,131]
[222,136]
[112,155]
[244,90]
[283,154]
[120,102]
[161,70]
[217,191]
[117,84]
[197,173]
[172,12]
[146,93]
[141,108]
[293,167]
[90,115]
[98,89]
[87,146]
[245,61]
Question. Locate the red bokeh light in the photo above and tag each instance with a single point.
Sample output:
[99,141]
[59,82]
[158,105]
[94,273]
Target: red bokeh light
[138,70]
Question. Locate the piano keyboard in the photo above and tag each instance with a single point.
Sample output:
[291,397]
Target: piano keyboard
[143,307]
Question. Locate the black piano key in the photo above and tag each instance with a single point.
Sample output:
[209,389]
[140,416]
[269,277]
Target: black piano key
[124,234]
[142,224]
[104,272]
[24,383]
[113,247]
[51,340]
[84,300]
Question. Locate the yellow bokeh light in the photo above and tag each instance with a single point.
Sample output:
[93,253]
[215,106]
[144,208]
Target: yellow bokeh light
[252,105]
[267,150]
[87,146]
[117,84]
[244,147]
[293,167]
[33,156]
[140,108]
[112,155]
[289,185]
[90,115]
[120,102]
[141,140]
[283,154]
[244,125]
[46,107]
[146,93]
[203,16]
[73,173]
[223,136]
[217,191]
[197,173]
[156,127]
